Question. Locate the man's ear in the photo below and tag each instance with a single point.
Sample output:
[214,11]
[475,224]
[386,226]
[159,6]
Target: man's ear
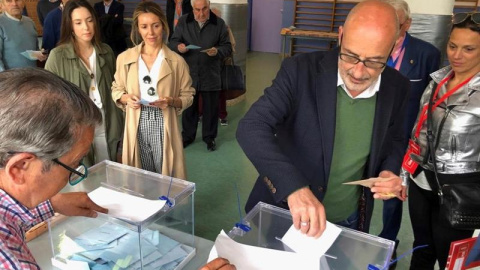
[17,167]
[340,35]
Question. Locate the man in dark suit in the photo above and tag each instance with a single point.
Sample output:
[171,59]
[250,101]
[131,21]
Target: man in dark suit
[110,15]
[175,9]
[416,60]
[330,118]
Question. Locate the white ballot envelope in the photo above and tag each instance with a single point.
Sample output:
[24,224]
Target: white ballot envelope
[246,257]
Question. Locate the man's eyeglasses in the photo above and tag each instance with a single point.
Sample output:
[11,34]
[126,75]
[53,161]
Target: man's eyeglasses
[151,90]
[355,60]
[76,175]
[463,16]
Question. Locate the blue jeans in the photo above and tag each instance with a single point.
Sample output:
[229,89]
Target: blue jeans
[392,218]
[351,222]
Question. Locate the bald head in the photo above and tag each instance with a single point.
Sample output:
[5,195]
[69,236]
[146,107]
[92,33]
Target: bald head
[375,17]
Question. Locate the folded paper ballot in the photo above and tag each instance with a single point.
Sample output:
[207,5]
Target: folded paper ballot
[370,181]
[193,47]
[31,55]
[125,206]
[246,257]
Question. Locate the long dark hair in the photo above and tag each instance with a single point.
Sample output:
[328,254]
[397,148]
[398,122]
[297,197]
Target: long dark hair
[66,30]
[148,7]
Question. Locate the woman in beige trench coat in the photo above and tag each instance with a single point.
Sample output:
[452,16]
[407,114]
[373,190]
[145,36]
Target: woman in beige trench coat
[151,79]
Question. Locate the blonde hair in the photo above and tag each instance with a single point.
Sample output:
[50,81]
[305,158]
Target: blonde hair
[148,7]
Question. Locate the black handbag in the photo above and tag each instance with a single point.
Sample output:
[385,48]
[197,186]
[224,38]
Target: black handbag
[459,202]
[232,77]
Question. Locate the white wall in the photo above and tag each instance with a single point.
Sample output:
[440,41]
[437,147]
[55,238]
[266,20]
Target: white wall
[437,7]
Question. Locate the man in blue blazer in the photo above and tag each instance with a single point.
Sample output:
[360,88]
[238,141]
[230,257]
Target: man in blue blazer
[330,118]
[110,15]
[416,60]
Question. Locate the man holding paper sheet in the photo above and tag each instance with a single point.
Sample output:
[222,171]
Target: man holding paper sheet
[17,35]
[47,128]
[204,29]
[330,118]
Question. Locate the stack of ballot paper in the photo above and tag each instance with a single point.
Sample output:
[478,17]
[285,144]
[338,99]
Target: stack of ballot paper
[114,247]
[308,252]
[125,206]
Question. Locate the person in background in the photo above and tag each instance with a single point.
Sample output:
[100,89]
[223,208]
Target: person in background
[204,29]
[110,14]
[222,106]
[83,60]
[44,7]
[330,118]
[51,27]
[456,133]
[415,59]
[152,85]
[60,120]
[175,10]
[17,35]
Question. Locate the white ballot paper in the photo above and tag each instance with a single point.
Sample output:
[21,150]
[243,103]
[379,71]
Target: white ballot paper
[125,206]
[246,257]
[310,246]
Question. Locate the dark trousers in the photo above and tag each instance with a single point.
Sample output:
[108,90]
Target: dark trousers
[429,227]
[209,120]
[222,106]
[392,218]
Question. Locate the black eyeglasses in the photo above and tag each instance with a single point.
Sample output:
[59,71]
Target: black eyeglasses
[76,175]
[463,16]
[151,90]
[355,60]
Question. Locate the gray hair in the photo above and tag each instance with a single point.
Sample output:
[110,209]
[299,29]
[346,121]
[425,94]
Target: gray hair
[192,2]
[41,113]
[400,5]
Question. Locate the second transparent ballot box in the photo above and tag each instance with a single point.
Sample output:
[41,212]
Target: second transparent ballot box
[351,250]
[140,232]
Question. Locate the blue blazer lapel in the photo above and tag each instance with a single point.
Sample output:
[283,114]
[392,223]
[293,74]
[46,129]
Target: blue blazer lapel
[326,98]
[409,58]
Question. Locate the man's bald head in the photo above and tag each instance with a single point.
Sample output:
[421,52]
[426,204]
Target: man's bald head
[374,16]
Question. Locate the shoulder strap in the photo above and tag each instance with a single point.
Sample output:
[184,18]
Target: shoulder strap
[430,140]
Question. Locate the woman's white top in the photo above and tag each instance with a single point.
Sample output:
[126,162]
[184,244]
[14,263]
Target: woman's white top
[153,74]
[92,70]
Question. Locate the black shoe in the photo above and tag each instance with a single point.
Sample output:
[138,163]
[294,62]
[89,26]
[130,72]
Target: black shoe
[223,122]
[211,146]
[187,143]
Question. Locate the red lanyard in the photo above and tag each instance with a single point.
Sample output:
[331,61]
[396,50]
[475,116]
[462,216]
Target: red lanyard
[423,115]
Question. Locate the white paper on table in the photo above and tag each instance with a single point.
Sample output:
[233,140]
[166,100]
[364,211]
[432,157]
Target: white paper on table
[246,257]
[303,244]
[125,206]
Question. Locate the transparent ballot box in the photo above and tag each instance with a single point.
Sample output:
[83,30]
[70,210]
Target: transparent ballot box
[161,237]
[351,250]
